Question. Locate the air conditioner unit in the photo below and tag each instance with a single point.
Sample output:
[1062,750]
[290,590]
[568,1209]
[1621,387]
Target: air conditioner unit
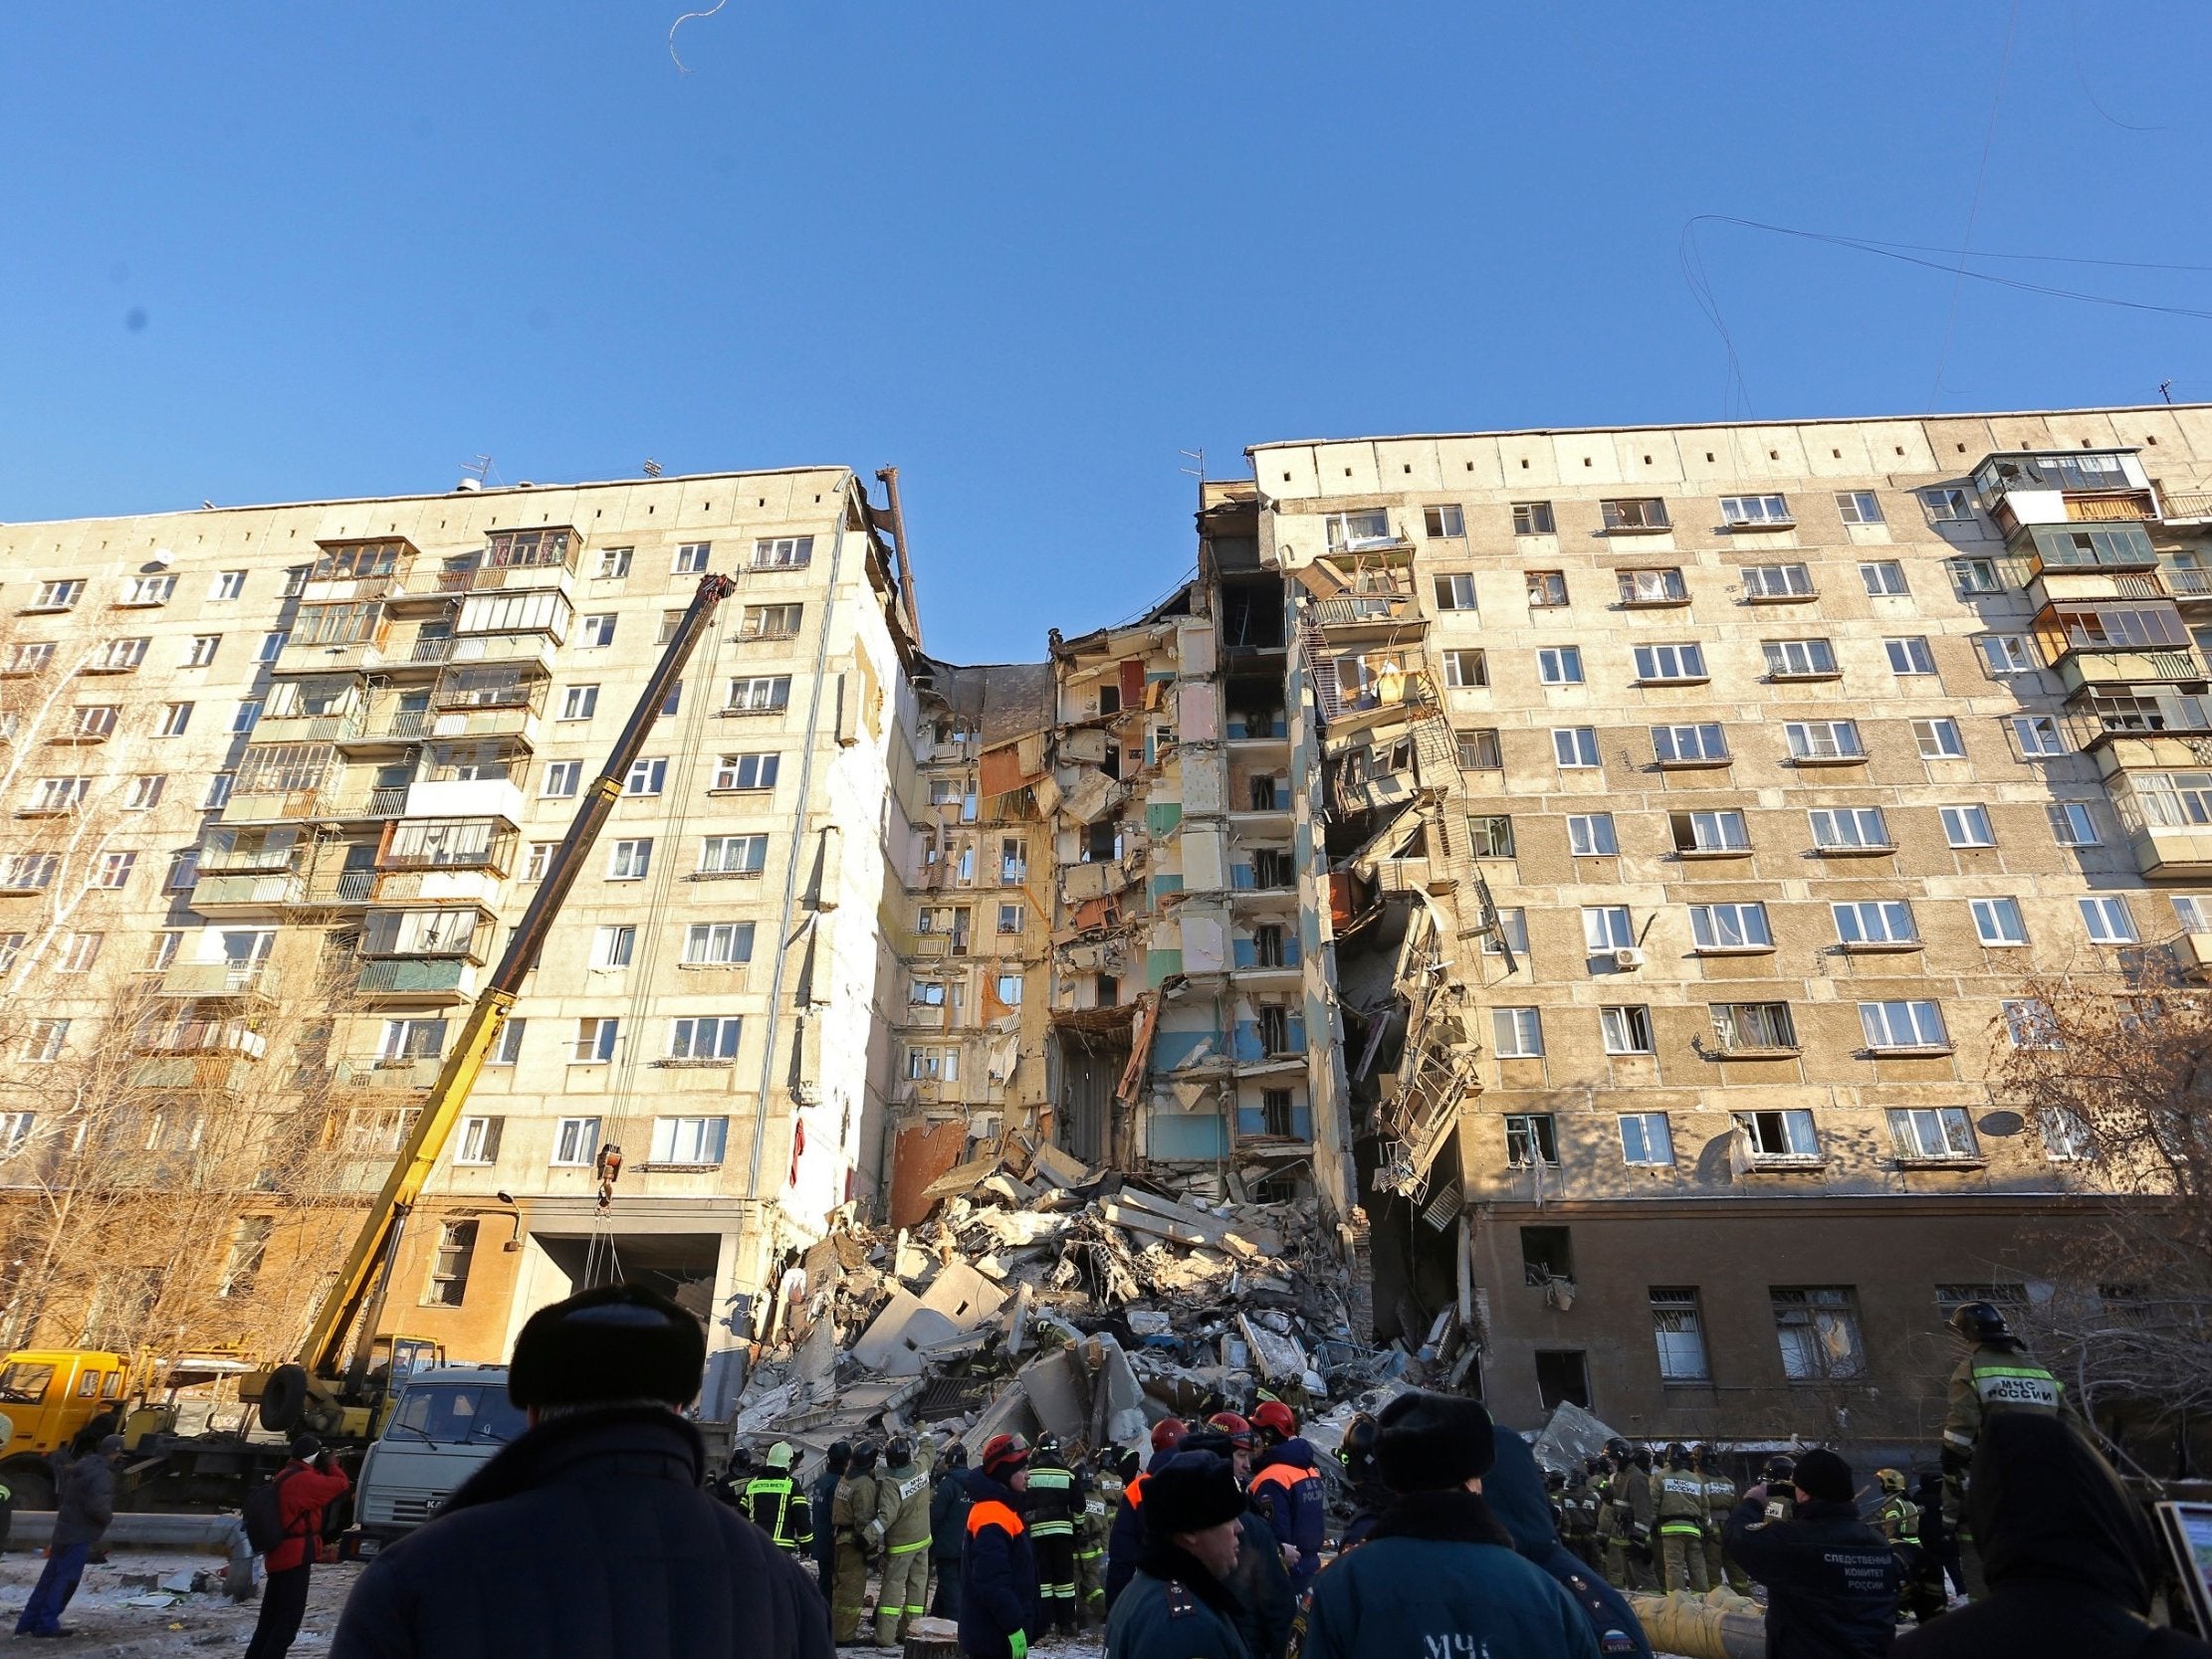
[1628,958]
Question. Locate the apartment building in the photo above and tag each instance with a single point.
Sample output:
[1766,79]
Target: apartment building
[280,781]
[1692,807]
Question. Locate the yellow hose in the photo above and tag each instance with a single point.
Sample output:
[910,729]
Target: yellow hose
[1719,1624]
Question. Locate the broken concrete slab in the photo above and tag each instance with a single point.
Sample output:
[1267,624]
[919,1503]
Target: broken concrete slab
[1279,1357]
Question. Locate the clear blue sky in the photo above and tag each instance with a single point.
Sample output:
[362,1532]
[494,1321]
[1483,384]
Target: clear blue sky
[1029,251]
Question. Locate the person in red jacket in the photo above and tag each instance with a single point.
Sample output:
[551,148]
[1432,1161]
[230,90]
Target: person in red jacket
[306,1486]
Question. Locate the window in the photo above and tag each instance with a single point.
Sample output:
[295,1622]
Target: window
[1607,928]
[629,860]
[1709,832]
[1013,861]
[1902,1024]
[539,861]
[1517,1033]
[1818,1327]
[2192,910]
[1647,1139]
[1645,512]
[225,584]
[1547,589]
[1778,1135]
[1575,746]
[691,558]
[733,855]
[44,1042]
[1559,665]
[1932,1134]
[706,1038]
[2037,736]
[1743,1026]
[1776,582]
[1442,522]
[1754,512]
[1679,1334]
[1967,826]
[2068,1136]
[405,1040]
[507,1047]
[671,622]
[1687,746]
[1857,506]
[612,945]
[1626,1028]
[561,779]
[2171,800]
[758,694]
[594,1044]
[1465,667]
[294,581]
[1511,932]
[248,712]
[148,590]
[1998,922]
[746,771]
[249,1246]
[1729,926]
[718,944]
[782,552]
[2072,825]
[1561,1378]
[1824,740]
[1533,519]
[771,621]
[579,703]
[2030,1023]
[575,1141]
[1939,740]
[58,795]
[176,716]
[1651,588]
[1456,593]
[1800,659]
[1010,919]
[76,953]
[113,871]
[183,870]
[1491,836]
[1547,1253]
[57,596]
[2004,654]
[646,777]
[1477,749]
[1885,578]
[1590,835]
[1846,827]
[11,947]
[117,655]
[1947,505]
[1670,661]
[271,647]
[143,793]
[218,791]
[449,1267]
[613,566]
[1972,578]
[2107,921]
[200,649]
[1874,922]
[1531,1137]
[598,629]
[693,1141]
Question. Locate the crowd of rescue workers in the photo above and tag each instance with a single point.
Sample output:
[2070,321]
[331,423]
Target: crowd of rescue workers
[599,1533]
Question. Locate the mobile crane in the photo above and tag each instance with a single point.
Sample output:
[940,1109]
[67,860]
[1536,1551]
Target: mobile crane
[332,1385]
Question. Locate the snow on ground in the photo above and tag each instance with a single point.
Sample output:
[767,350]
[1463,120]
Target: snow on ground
[189,1624]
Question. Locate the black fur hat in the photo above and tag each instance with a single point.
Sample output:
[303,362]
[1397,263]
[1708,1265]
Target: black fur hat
[1431,1442]
[617,1343]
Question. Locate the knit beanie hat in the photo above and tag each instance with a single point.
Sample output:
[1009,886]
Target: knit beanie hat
[1191,1492]
[616,1342]
[1824,1477]
[1431,1443]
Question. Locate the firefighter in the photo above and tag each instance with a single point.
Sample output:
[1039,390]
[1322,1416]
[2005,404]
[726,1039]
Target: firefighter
[1055,1498]
[1643,1517]
[1997,1374]
[773,1502]
[1579,1506]
[1720,1503]
[850,1514]
[1899,1521]
[1101,1495]
[1613,1528]
[1287,1490]
[1679,1497]
[1780,1477]
[1369,1496]
[901,1531]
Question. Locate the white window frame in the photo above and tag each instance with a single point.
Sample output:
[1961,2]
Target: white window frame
[1903,1023]
[754,770]
[1607,928]
[1575,747]
[1966,825]
[1939,739]
[1534,518]
[1710,928]
[578,703]
[575,1143]
[690,558]
[1932,1134]
[630,859]
[2072,824]
[1800,1140]
[647,776]
[2006,654]
[1868,827]
[1454,591]
[1999,921]
[1642,1155]
[1520,1027]
[1800,659]
[1466,668]
[1761,512]
[1625,1028]
[688,1142]
[1559,665]
[1824,740]
[711,1038]
[733,855]
[1776,582]
[598,631]
[561,780]
[1883,578]
[718,943]
[1591,835]
[2107,920]
[613,945]
[1873,921]
[1708,744]
[1722,820]
[1858,507]
[613,566]
[476,1140]
[1675,662]
[2039,737]
[225,585]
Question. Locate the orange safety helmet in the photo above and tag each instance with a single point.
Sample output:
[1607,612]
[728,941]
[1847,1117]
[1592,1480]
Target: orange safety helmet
[1230,1424]
[1004,1454]
[1167,1433]
[1275,1417]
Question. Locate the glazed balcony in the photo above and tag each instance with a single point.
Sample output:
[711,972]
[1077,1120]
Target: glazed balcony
[246,896]
[2024,489]
[208,1037]
[385,1076]
[238,981]
[352,572]
[420,981]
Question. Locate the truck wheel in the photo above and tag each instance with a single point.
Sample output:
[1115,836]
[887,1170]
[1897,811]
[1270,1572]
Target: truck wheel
[283,1399]
[31,1481]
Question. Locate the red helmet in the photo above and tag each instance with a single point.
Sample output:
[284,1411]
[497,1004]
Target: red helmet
[1167,1433]
[1004,1454]
[1275,1417]
[1230,1424]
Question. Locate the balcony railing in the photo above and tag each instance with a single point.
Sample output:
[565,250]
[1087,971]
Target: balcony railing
[1358,609]
[204,1037]
[417,976]
[212,979]
[371,1073]
[2181,504]
[212,893]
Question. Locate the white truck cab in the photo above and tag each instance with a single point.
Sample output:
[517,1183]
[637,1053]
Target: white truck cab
[445,1424]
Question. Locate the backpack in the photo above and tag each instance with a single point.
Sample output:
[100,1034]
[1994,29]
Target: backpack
[264,1515]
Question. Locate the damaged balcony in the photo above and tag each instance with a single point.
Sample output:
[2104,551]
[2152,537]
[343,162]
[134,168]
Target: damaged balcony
[2091,643]
[1267,958]
[483,844]
[372,1071]
[2023,489]
[244,873]
[427,957]
[187,1037]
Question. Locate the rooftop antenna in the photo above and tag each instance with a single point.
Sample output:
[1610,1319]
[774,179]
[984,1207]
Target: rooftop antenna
[2165,390]
[481,469]
[652,468]
[1197,472]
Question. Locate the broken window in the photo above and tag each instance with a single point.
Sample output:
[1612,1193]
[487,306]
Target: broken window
[1533,519]
[1274,1029]
[1561,1378]
[1818,1325]
[1778,1135]
[1274,1112]
[1645,512]
[1679,1331]
[1531,1137]
[1753,1026]
[449,1267]
[1491,836]
[1444,521]
[1477,749]
[1547,1253]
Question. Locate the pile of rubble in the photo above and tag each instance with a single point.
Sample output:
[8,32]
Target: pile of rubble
[1043,1296]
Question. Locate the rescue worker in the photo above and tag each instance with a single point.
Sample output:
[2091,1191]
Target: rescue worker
[1178,1604]
[1936,1543]
[1832,1584]
[1579,1509]
[1997,1374]
[1899,1519]
[1054,1500]
[948,1529]
[901,1531]
[773,1502]
[1720,1503]
[1613,1521]
[997,1569]
[1287,1490]
[1369,1496]
[1126,1542]
[850,1514]
[1101,1494]
[819,1503]
[1780,1478]
[1643,1517]
[1678,1498]
[1515,1491]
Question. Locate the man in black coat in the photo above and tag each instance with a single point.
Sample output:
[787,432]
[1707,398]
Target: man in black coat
[824,1495]
[1832,1581]
[590,1535]
[2069,1560]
